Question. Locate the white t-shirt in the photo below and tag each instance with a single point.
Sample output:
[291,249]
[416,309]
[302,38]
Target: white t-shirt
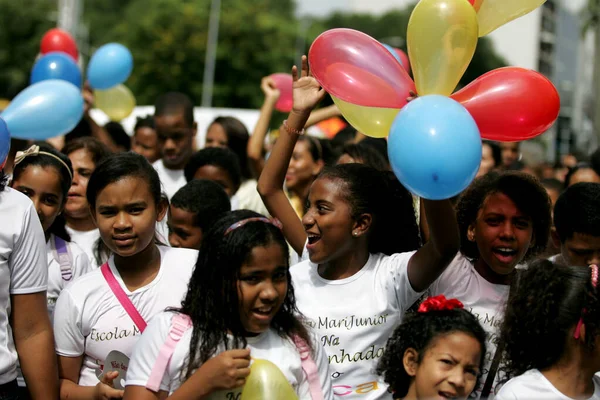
[485,300]
[23,267]
[171,179]
[56,282]
[87,241]
[268,346]
[249,199]
[354,317]
[532,385]
[90,321]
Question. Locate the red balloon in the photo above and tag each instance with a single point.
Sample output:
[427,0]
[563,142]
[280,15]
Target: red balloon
[356,68]
[511,104]
[405,61]
[284,83]
[59,40]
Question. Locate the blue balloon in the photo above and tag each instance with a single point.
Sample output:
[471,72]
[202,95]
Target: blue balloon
[56,66]
[110,65]
[44,110]
[4,142]
[391,50]
[434,147]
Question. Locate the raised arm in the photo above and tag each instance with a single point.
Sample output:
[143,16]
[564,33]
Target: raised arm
[428,263]
[307,93]
[323,114]
[257,139]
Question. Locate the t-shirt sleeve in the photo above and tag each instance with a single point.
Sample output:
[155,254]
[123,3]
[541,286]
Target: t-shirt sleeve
[394,275]
[68,330]
[323,366]
[506,393]
[28,261]
[146,351]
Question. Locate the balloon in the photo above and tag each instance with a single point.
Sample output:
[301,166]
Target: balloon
[58,40]
[117,102]
[442,36]
[358,69]
[400,56]
[434,147]
[284,83]
[110,65]
[56,66]
[371,121]
[267,382]
[44,110]
[511,104]
[493,14]
[4,142]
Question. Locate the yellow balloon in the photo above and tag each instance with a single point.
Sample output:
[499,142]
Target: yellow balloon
[442,36]
[495,13]
[267,382]
[371,121]
[117,102]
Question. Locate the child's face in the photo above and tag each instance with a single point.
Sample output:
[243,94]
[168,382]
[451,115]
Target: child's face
[42,186]
[182,232]
[145,143]
[126,216]
[175,139]
[83,166]
[217,175]
[502,232]
[581,250]
[327,221]
[262,287]
[216,136]
[448,369]
[303,168]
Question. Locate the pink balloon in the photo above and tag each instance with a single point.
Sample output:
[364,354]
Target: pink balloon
[356,68]
[284,83]
[403,59]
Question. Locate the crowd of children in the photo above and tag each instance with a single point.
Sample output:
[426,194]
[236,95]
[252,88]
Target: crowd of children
[193,267]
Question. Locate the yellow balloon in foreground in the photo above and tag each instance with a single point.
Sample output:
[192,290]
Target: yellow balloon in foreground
[493,14]
[442,37]
[117,102]
[267,382]
[371,121]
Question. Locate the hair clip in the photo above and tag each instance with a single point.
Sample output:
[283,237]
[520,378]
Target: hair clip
[274,221]
[35,151]
[594,281]
[594,275]
[439,303]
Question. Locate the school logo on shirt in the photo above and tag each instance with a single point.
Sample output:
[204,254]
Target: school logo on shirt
[113,334]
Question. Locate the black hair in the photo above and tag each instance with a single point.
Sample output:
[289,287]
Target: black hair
[113,169]
[315,147]
[205,199]
[219,157]
[366,155]
[496,152]
[65,172]
[368,191]
[523,189]
[212,299]
[573,171]
[3,180]
[237,141]
[418,331]
[174,102]
[379,144]
[576,211]
[98,150]
[595,161]
[144,122]
[552,184]
[82,129]
[542,310]
[118,135]
[343,137]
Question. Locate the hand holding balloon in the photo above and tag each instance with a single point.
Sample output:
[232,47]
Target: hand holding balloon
[226,371]
[307,92]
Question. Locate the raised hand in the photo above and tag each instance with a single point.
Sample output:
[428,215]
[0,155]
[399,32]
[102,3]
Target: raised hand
[267,85]
[307,92]
[226,371]
[105,389]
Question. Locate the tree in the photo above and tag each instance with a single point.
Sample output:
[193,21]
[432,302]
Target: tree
[22,26]
[168,41]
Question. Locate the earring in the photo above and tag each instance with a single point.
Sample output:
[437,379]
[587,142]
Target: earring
[355,233]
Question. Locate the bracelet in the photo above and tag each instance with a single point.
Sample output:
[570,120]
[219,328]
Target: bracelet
[290,130]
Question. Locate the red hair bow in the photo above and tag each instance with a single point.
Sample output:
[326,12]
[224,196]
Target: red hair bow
[439,303]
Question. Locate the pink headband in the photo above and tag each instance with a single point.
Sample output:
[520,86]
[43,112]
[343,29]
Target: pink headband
[275,222]
[594,278]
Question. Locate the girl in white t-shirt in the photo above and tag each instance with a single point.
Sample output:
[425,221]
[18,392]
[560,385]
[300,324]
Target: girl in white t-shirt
[362,234]
[107,309]
[551,332]
[436,352]
[44,175]
[85,154]
[504,219]
[240,306]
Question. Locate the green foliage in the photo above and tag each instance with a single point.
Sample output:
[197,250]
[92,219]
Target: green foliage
[22,25]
